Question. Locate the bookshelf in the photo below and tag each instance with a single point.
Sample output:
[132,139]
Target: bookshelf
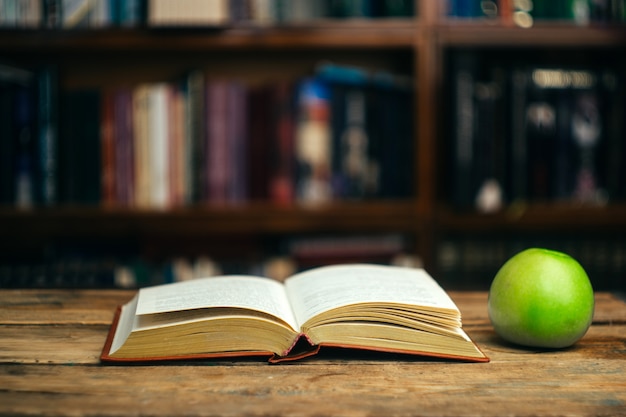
[416,47]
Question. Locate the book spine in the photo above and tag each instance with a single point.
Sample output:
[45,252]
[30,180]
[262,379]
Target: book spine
[563,176]
[90,162]
[463,73]
[588,132]
[81,142]
[217,155]
[518,185]
[260,155]
[283,177]
[489,178]
[263,12]
[107,132]
[196,13]
[351,141]
[238,142]
[124,147]
[7,144]
[313,143]
[141,146]
[47,136]
[195,129]
[616,108]
[131,13]
[158,136]
[24,136]
[176,146]
[392,161]
[51,14]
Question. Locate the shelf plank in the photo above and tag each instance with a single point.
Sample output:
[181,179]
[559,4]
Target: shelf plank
[210,220]
[356,33]
[384,34]
[538,218]
[476,34]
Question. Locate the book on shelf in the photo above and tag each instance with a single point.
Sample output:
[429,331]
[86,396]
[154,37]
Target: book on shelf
[533,133]
[96,14]
[86,13]
[478,136]
[259,152]
[356,306]
[17,129]
[226,118]
[372,125]
[355,170]
[566,127]
[314,251]
[80,147]
[124,150]
[281,183]
[393,127]
[579,11]
[615,103]
[141,146]
[176,141]
[196,13]
[470,262]
[107,144]
[71,14]
[468,8]
[30,137]
[193,88]
[265,12]
[313,142]
[21,14]
[195,139]
[159,120]
[517,184]
[525,13]
[7,145]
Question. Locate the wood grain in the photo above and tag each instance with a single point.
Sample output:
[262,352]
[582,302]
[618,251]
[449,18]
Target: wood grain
[50,341]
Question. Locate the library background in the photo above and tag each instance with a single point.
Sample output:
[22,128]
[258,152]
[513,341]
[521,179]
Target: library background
[142,143]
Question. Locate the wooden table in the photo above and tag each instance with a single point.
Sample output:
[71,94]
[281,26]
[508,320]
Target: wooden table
[50,341]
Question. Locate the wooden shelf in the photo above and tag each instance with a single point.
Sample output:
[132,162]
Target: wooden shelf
[210,220]
[476,34]
[371,34]
[414,47]
[545,218]
[385,34]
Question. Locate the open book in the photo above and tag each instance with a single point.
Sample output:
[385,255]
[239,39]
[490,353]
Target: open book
[372,307]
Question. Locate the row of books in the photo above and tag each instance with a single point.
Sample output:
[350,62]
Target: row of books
[67,14]
[462,262]
[68,267]
[525,12]
[471,262]
[93,14]
[343,133]
[534,133]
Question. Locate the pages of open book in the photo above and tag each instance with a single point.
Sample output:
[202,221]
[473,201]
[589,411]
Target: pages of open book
[315,291]
[237,291]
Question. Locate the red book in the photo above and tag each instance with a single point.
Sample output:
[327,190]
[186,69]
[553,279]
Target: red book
[218,163]
[282,177]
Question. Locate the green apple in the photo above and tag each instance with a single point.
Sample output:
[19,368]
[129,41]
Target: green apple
[541,298]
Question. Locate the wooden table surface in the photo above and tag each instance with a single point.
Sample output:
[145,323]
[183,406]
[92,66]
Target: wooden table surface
[50,342]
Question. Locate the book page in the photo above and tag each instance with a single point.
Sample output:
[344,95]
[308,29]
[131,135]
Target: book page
[321,289]
[124,324]
[237,291]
